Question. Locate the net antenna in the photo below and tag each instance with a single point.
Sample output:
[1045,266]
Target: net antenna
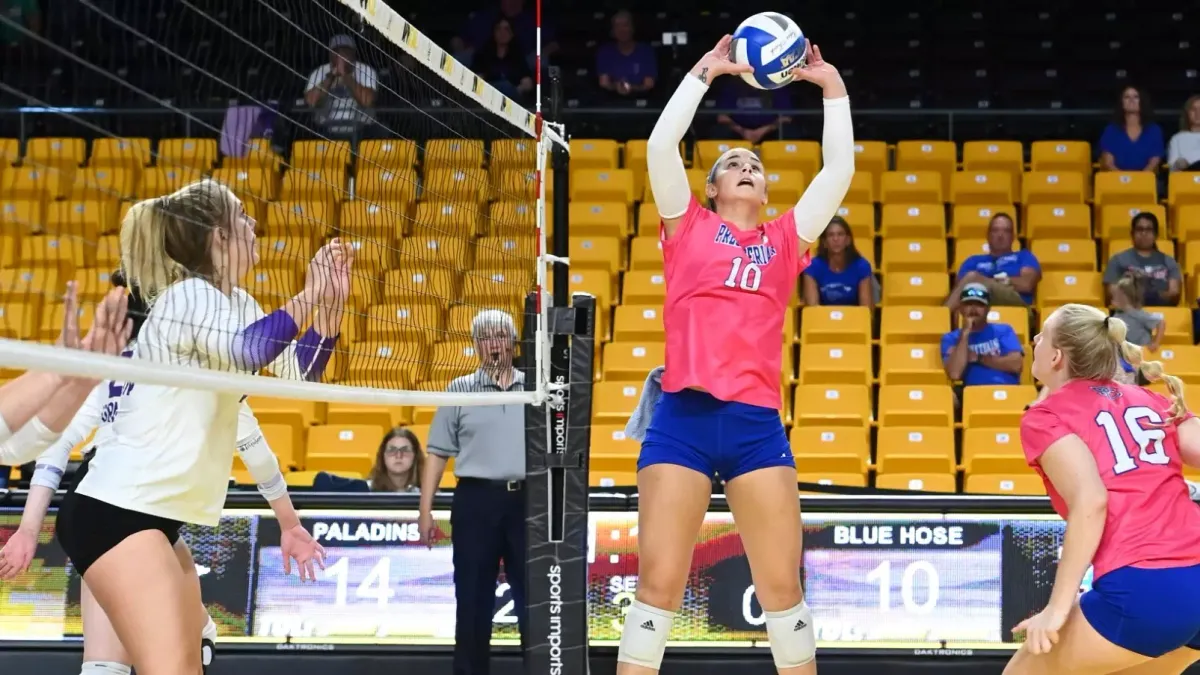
[421,274]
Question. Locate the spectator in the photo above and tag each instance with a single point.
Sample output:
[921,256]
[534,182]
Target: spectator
[1142,328]
[342,92]
[753,122]
[487,516]
[1163,280]
[839,274]
[1011,277]
[626,67]
[398,463]
[524,24]
[1132,141]
[1183,153]
[501,63]
[979,352]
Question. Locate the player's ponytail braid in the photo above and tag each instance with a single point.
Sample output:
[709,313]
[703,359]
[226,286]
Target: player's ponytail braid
[1151,370]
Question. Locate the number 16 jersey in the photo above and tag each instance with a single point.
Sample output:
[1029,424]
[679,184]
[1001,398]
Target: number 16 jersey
[1152,521]
[727,297]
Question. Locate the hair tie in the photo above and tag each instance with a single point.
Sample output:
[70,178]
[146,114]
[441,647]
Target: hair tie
[1106,322]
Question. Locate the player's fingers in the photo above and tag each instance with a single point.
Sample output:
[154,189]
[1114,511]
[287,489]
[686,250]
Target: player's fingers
[816,54]
[1053,635]
[312,572]
[287,563]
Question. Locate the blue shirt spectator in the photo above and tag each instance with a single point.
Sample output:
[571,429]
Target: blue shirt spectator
[839,274]
[1007,265]
[981,353]
[624,66]
[753,121]
[1132,142]
[1011,276]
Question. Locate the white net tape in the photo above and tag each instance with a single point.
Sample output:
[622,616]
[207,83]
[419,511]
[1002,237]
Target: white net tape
[325,121]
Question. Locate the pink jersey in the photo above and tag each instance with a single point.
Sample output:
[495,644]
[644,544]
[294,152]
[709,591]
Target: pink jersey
[1152,522]
[727,296]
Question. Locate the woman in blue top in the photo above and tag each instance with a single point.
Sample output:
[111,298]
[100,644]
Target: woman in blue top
[1132,141]
[839,274]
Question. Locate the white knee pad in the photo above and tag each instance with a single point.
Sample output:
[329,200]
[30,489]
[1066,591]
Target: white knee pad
[105,668]
[793,641]
[644,637]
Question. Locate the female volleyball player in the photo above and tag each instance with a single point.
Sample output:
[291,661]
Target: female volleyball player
[729,280]
[168,453]
[1111,456]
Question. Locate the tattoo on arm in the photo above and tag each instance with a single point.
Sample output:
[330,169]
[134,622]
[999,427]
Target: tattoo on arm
[703,76]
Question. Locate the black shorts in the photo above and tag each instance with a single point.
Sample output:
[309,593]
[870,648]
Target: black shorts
[87,528]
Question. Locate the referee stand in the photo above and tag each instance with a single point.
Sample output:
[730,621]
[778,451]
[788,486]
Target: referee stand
[557,440]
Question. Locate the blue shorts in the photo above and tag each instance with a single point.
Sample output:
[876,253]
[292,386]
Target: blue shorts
[1147,611]
[717,438]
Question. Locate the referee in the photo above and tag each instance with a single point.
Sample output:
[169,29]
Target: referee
[487,518]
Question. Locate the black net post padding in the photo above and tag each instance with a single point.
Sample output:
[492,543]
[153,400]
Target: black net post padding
[557,441]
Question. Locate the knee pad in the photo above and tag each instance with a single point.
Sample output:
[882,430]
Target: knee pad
[105,668]
[644,637]
[791,635]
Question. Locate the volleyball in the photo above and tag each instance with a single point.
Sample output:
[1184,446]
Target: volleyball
[773,45]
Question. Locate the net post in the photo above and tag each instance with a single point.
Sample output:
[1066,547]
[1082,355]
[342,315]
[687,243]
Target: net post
[561,162]
[558,439]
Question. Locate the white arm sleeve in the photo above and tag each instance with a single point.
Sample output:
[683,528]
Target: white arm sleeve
[668,177]
[825,193]
[25,445]
[258,457]
[52,463]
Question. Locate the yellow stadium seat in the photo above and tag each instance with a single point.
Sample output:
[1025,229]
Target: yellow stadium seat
[860,217]
[614,401]
[697,179]
[84,219]
[421,319]
[995,406]
[288,445]
[644,288]
[597,282]
[1183,187]
[908,288]
[258,154]
[320,154]
[272,286]
[913,220]
[631,361]
[92,283]
[195,153]
[414,284]
[832,405]
[55,251]
[515,218]
[120,153]
[971,220]
[993,450]
[611,449]
[802,156]
[1052,187]
[105,183]
[981,187]
[602,185]
[284,251]
[369,220]
[1073,156]
[600,219]
[835,364]
[386,185]
[455,185]
[1065,255]
[913,325]
[635,161]
[835,325]
[1187,221]
[387,154]
[512,153]
[1004,484]
[1064,221]
[257,183]
[454,153]
[453,359]
[830,478]
[447,252]
[1017,317]
[871,160]
[911,364]
[10,151]
[1125,187]
[967,247]
[1116,220]
[158,181]
[706,153]
[1121,242]
[594,153]
[648,221]
[597,253]
[611,479]
[916,406]
[1004,156]
[638,323]
[915,450]
[940,157]
[903,254]
[19,319]
[785,187]
[364,289]
[314,185]
[830,450]
[461,219]
[34,183]
[769,212]
[917,482]
[1178,322]
[518,185]
[24,215]
[505,253]
[911,187]
[1182,361]
[342,447]
[391,362]
[310,219]
[1060,288]
[59,152]
[492,288]
[30,283]
[864,188]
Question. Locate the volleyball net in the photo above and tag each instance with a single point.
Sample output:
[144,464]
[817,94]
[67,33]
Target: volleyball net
[327,120]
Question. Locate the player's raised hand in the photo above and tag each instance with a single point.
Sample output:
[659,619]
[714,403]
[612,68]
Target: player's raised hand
[111,327]
[820,72]
[341,257]
[719,61]
[297,544]
[1041,630]
[17,554]
[69,335]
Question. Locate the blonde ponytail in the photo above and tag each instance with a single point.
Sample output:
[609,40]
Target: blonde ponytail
[1153,372]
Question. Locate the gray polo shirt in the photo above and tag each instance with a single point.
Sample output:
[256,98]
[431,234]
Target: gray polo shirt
[485,441]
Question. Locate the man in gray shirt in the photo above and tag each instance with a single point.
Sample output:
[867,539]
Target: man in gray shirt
[1159,271]
[487,517]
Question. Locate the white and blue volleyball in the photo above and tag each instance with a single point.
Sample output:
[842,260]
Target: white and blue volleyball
[773,45]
